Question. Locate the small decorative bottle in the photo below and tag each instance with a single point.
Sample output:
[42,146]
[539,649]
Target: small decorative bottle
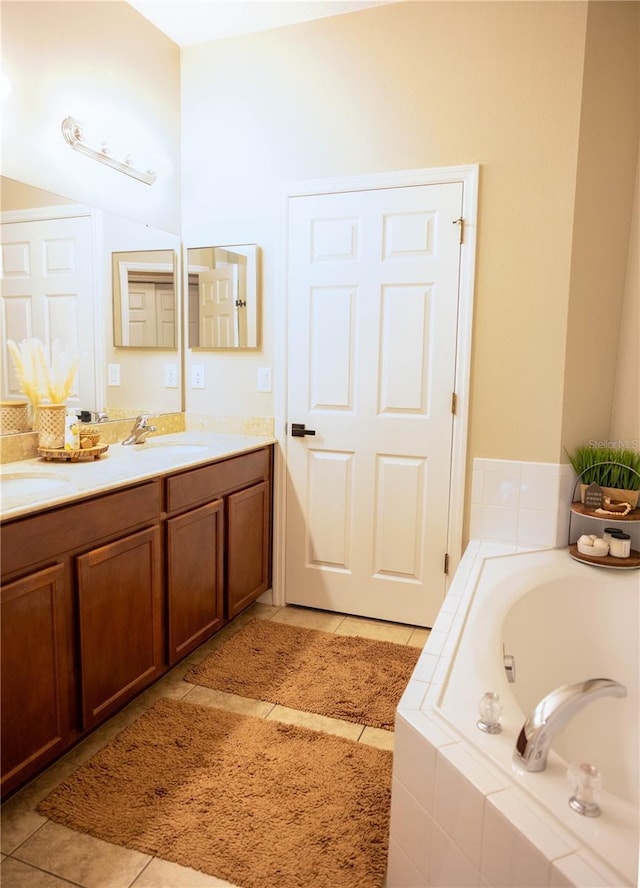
[71,431]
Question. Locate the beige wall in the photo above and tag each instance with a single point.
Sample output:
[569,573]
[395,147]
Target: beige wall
[604,201]
[625,421]
[18,196]
[409,85]
[104,64]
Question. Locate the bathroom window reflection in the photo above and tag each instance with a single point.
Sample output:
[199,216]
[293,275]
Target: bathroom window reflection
[222,287]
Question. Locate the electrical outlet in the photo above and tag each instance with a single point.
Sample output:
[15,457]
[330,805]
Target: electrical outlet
[171,375]
[264,379]
[197,376]
[113,374]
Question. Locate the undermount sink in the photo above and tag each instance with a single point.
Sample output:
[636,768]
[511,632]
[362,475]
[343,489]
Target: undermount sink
[29,484]
[177,448]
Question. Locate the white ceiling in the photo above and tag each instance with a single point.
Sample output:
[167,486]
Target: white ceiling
[196,21]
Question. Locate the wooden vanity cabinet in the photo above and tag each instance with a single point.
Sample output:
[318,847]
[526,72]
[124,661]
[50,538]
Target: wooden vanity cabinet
[218,547]
[82,621]
[100,597]
[120,622]
[248,546]
[195,577]
[37,660]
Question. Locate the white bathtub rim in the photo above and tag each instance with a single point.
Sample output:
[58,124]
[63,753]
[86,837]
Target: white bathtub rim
[617,827]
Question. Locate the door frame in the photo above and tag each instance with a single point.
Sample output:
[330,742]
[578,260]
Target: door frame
[468,176]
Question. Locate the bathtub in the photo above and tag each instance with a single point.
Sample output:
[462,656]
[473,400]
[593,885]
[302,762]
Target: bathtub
[486,821]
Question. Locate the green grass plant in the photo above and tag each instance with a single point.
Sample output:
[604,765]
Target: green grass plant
[607,466]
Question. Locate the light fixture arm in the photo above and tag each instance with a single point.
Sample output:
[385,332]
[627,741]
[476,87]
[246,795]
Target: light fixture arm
[73,134]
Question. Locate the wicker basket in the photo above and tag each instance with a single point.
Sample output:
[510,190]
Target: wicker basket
[51,425]
[89,437]
[14,417]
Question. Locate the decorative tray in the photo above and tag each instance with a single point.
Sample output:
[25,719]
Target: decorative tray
[579,508]
[60,453]
[633,561]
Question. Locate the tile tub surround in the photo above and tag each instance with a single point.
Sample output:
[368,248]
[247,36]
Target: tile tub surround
[523,504]
[458,819]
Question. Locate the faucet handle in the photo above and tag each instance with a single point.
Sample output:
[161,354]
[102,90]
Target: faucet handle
[586,781]
[490,710]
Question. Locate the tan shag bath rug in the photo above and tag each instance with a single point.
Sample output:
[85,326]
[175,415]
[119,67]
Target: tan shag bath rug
[259,803]
[357,679]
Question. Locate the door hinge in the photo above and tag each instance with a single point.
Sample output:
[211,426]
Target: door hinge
[460,222]
[454,403]
[446,564]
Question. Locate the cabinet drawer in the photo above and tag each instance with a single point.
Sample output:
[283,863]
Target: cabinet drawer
[27,541]
[210,482]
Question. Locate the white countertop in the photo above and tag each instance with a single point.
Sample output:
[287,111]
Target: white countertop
[31,485]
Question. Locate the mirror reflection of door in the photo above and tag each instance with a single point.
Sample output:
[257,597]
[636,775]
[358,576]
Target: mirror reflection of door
[222,296]
[150,310]
[218,307]
[145,303]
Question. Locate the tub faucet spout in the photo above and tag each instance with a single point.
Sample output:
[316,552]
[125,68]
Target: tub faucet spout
[553,713]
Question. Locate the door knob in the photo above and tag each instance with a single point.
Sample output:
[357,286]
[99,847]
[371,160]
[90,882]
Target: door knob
[298,430]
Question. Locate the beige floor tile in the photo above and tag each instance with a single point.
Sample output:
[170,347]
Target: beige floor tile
[81,858]
[377,737]
[102,735]
[232,702]
[259,611]
[166,687]
[315,722]
[418,638]
[164,874]
[15,874]
[309,619]
[18,815]
[396,632]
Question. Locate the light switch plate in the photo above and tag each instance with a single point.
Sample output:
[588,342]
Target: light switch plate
[113,374]
[264,379]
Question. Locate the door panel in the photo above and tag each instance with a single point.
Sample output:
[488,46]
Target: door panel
[47,293]
[373,302]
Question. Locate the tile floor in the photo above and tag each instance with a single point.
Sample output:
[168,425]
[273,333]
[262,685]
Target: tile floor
[37,853]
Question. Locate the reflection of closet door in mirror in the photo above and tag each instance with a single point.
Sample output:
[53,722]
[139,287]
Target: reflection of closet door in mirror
[47,294]
[144,299]
[222,286]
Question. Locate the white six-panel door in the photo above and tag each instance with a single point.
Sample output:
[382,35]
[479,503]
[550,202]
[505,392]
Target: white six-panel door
[373,299]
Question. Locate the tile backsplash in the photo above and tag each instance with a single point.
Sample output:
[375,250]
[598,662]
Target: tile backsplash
[525,504]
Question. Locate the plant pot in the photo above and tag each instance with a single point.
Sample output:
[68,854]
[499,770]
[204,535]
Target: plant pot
[14,417]
[51,426]
[621,496]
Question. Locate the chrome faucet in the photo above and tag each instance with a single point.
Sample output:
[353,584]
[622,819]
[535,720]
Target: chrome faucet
[140,430]
[553,713]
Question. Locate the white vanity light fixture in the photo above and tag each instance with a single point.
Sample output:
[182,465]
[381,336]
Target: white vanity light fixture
[74,135]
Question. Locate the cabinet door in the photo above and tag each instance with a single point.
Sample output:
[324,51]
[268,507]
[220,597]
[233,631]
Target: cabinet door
[195,556]
[248,541]
[121,622]
[36,662]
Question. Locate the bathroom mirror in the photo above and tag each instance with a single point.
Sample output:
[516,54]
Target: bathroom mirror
[145,299]
[222,286]
[120,381]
